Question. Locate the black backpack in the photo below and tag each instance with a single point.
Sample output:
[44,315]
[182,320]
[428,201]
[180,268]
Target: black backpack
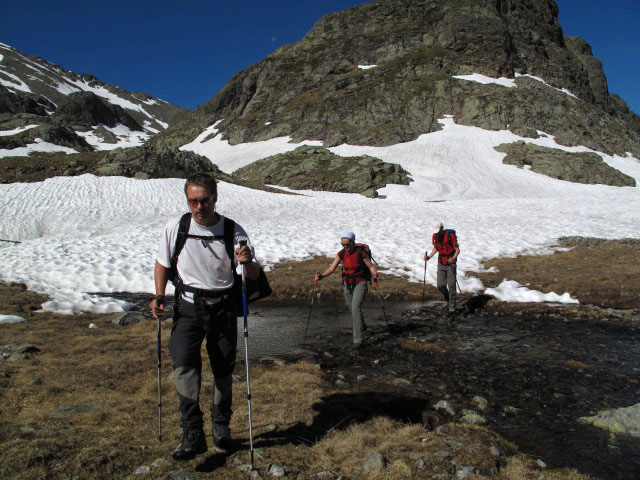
[256,289]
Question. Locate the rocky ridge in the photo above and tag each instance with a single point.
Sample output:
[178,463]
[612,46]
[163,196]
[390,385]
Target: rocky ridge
[385,72]
[72,110]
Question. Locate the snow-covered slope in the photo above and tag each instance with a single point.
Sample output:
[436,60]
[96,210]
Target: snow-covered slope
[113,118]
[92,234]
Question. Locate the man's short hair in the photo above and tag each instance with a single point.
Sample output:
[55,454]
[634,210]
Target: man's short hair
[201,179]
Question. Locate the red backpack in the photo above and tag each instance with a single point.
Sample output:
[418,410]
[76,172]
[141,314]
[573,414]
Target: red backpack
[363,271]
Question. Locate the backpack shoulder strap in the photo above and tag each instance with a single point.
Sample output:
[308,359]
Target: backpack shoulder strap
[229,233]
[341,254]
[181,238]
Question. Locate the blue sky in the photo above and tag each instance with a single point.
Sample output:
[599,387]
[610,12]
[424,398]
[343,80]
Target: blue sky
[184,54]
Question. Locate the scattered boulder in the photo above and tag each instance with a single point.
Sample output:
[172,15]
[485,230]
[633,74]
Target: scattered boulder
[624,420]
[14,352]
[444,408]
[374,462]
[472,418]
[480,403]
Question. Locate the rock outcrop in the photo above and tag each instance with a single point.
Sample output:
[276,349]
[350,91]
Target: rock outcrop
[316,168]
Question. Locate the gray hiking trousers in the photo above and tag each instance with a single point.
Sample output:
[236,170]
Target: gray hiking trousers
[192,324]
[354,297]
[446,283]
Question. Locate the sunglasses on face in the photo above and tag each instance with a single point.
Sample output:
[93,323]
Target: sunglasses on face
[194,202]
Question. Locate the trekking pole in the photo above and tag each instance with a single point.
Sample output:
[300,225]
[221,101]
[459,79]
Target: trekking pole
[246,354]
[382,304]
[159,381]
[424,279]
[313,294]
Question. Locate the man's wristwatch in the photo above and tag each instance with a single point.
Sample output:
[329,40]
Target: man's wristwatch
[160,299]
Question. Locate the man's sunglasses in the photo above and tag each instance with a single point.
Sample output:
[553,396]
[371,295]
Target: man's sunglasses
[194,202]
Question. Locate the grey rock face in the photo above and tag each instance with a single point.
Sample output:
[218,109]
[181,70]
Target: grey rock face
[82,110]
[315,168]
[418,47]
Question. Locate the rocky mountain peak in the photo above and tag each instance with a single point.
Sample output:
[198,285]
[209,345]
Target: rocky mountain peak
[386,71]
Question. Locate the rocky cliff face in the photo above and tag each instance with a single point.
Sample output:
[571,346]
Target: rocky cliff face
[318,89]
[72,110]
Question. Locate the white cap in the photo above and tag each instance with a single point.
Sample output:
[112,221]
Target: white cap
[437,226]
[350,235]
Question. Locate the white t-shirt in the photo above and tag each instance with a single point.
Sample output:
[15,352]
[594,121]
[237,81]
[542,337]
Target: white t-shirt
[202,264]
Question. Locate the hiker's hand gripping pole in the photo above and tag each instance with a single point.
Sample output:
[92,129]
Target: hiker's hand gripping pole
[246,354]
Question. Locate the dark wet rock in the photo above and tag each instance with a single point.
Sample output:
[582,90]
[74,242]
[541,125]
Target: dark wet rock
[342,384]
[180,475]
[128,318]
[480,403]
[14,352]
[443,407]
[577,167]
[375,462]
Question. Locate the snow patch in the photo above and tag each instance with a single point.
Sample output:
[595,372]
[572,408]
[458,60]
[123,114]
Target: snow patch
[125,137]
[512,291]
[366,67]
[39,146]
[10,318]
[507,82]
[231,157]
[14,82]
[15,131]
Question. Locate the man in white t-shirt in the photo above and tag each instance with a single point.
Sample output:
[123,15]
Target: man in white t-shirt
[203,273]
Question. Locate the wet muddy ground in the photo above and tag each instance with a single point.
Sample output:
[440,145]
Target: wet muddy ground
[539,373]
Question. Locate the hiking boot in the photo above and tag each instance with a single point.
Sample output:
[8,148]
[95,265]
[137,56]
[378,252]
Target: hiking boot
[222,435]
[193,443]
[451,311]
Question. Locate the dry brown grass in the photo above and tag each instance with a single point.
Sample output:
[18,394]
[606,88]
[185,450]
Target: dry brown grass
[414,346]
[293,280]
[85,407]
[523,467]
[607,275]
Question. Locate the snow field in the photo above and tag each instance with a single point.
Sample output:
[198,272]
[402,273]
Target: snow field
[87,234]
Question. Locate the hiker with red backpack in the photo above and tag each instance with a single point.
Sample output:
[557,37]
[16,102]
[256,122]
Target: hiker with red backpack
[200,252]
[357,270]
[445,243]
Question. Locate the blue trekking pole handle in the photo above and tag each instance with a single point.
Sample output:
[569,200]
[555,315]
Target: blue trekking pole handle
[246,355]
